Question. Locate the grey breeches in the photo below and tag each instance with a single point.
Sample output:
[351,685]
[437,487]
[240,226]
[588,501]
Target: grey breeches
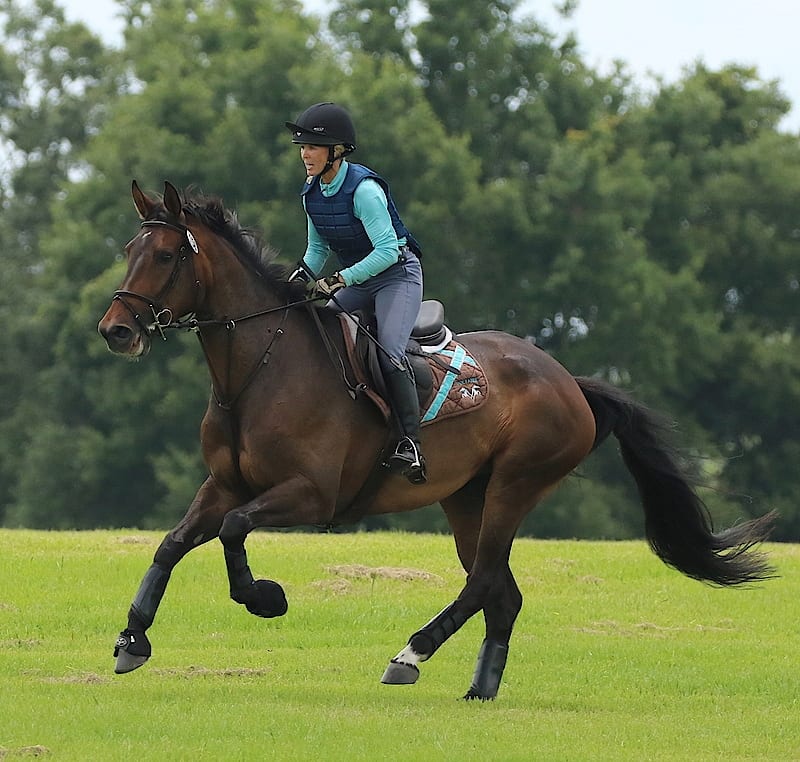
[393,296]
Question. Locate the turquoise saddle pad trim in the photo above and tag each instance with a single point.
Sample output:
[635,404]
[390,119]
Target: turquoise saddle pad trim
[457,359]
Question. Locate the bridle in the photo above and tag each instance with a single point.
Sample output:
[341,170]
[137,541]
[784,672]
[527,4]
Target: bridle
[164,320]
[162,316]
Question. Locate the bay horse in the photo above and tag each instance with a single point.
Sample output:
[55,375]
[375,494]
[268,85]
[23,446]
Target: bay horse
[286,445]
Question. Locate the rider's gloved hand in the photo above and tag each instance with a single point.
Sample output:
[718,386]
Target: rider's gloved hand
[327,287]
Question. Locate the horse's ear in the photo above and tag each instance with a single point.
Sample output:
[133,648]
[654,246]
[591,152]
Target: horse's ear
[143,203]
[172,200]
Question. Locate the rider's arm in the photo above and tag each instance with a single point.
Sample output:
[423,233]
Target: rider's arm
[369,205]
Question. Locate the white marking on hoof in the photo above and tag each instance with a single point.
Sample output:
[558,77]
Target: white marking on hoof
[403,669]
[409,656]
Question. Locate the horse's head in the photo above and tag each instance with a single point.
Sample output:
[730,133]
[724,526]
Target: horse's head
[161,283]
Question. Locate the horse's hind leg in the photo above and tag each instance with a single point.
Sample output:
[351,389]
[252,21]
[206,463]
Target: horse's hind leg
[200,524]
[500,612]
[504,602]
[483,551]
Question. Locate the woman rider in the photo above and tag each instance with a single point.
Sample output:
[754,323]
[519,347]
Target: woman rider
[350,213]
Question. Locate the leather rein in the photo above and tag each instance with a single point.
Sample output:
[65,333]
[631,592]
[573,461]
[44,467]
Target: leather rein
[163,318]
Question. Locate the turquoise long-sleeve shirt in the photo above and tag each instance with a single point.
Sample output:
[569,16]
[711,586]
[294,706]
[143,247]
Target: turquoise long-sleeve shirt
[370,207]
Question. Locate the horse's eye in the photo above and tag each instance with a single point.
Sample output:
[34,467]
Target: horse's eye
[163,256]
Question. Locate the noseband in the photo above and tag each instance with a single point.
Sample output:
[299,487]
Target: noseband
[162,316]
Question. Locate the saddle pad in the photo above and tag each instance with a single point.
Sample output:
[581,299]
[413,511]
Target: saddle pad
[459,383]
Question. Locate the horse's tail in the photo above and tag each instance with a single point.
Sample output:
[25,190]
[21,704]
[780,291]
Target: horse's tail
[677,524]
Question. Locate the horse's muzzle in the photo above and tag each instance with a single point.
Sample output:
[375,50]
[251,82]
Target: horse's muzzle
[122,338]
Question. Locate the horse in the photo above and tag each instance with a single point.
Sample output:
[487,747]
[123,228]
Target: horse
[286,442]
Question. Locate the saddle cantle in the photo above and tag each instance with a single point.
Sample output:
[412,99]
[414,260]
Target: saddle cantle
[429,329]
[449,380]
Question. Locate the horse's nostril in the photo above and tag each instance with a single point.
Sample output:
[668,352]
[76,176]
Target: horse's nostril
[119,333]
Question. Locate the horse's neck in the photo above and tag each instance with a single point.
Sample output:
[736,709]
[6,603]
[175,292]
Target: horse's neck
[232,289]
[250,318]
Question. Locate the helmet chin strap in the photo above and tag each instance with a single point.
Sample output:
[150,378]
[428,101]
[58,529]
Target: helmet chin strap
[331,159]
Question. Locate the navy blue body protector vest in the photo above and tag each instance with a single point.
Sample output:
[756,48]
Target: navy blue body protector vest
[335,220]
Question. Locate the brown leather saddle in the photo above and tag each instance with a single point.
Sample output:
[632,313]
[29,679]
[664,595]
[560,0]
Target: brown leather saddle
[448,380]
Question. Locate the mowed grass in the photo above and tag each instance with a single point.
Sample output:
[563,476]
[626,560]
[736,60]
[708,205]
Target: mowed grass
[614,656]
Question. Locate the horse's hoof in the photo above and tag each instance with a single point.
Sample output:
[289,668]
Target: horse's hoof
[127,662]
[400,673]
[263,598]
[132,649]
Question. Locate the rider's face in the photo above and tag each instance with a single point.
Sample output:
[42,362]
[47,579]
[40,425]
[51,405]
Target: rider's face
[314,158]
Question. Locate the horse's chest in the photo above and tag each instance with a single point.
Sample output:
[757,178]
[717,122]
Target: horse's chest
[236,460]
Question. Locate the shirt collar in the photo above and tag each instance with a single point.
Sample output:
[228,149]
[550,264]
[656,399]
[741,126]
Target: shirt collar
[329,189]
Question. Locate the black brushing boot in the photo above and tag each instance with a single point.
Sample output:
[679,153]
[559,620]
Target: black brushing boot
[407,457]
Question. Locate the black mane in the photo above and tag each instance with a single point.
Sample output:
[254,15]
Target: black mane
[260,256]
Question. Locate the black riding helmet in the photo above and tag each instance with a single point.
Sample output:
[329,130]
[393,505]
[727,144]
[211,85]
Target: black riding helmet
[324,124]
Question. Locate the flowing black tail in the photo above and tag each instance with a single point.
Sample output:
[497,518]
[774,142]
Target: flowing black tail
[677,523]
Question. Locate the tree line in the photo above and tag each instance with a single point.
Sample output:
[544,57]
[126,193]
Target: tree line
[652,240]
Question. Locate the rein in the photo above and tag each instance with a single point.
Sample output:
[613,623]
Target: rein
[163,319]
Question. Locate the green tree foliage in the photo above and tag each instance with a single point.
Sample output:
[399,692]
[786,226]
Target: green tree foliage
[55,78]
[652,242]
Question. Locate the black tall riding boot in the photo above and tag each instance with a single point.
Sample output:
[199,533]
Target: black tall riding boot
[407,457]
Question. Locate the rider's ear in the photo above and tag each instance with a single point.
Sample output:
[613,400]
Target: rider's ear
[172,200]
[141,201]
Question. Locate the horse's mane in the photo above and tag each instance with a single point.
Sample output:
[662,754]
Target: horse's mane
[260,256]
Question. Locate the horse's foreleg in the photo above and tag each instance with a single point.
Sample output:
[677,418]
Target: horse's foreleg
[291,503]
[201,523]
[132,648]
[262,597]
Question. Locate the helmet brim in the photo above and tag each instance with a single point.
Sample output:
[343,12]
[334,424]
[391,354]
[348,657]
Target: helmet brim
[305,137]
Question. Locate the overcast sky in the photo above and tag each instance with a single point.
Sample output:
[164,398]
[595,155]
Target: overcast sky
[652,36]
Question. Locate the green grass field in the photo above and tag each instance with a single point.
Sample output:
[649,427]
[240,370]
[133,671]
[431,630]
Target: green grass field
[614,657]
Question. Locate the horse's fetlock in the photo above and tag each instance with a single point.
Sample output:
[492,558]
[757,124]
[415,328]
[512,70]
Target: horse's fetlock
[262,597]
[133,642]
[242,594]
